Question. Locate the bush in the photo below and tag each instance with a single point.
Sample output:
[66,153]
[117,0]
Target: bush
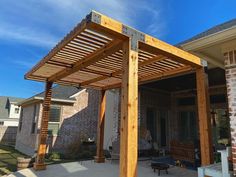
[54,156]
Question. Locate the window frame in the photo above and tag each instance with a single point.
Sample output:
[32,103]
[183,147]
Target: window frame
[53,122]
[34,119]
[21,120]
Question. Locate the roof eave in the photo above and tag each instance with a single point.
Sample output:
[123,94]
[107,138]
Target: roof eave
[210,40]
[30,100]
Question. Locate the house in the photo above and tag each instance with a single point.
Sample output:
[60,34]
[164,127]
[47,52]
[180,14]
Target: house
[165,91]
[73,113]
[168,107]
[9,111]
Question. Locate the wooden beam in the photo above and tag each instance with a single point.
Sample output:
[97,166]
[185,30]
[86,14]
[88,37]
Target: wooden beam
[103,52]
[100,132]
[157,46]
[42,142]
[144,63]
[162,47]
[157,76]
[129,113]
[204,117]
[165,74]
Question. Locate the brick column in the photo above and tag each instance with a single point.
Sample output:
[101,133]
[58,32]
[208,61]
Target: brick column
[42,145]
[230,72]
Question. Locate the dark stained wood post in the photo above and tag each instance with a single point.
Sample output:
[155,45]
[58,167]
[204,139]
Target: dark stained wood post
[100,132]
[204,117]
[42,142]
[129,112]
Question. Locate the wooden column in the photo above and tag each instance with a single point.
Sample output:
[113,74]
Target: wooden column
[129,112]
[42,142]
[204,117]
[100,132]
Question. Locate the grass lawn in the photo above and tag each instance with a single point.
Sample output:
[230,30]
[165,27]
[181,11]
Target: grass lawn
[8,158]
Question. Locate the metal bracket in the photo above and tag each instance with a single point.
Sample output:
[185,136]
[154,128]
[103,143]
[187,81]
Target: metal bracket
[134,35]
[204,63]
[94,17]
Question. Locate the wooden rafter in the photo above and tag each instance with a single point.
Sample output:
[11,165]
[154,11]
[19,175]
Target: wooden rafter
[103,52]
[94,47]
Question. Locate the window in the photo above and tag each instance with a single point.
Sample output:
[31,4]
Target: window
[34,119]
[54,120]
[187,124]
[17,110]
[21,119]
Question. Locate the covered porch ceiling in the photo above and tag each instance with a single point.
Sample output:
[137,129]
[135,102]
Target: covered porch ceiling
[91,56]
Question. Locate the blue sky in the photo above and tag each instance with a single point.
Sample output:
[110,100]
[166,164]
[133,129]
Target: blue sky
[29,28]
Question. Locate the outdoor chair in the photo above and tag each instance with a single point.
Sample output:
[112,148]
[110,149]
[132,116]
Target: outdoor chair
[219,169]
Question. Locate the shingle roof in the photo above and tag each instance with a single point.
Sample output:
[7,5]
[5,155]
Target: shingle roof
[5,105]
[61,92]
[213,30]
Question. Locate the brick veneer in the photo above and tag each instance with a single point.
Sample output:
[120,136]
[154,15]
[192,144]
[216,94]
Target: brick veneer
[230,67]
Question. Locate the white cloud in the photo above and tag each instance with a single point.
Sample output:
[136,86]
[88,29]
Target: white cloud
[23,64]
[16,33]
[43,23]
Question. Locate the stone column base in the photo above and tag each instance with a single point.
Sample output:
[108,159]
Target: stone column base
[39,166]
[99,159]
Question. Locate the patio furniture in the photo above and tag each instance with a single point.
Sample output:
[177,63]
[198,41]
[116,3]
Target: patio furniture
[159,166]
[219,169]
[161,151]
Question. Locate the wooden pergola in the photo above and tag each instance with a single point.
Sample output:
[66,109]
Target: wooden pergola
[102,53]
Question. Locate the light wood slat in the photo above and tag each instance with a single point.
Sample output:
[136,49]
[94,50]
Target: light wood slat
[80,27]
[71,47]
[84,46]
[105,37]
[94,37]
[92,44]
[159,58]
[106,50]
[68,54]
[88,40]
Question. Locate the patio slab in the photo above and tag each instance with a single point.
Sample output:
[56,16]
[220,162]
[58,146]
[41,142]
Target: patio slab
[91,169]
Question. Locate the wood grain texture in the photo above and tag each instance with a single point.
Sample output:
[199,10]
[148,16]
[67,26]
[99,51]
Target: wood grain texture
[129,113]
[42,141]
[204,117]
[101,125]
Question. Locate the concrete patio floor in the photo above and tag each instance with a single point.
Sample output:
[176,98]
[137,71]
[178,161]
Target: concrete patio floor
[91,169]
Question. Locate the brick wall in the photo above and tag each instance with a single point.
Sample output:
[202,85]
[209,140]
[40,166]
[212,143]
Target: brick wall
[230,66]
[78,120]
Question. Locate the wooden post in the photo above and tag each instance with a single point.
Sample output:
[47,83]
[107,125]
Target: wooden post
[129,112]
[204,117]
[40,159]
[100,133]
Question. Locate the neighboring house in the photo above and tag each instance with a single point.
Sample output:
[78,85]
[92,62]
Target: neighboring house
[73,114]
[168,108]
[9,110]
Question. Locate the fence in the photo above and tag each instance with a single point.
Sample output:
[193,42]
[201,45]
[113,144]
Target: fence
[8,135]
